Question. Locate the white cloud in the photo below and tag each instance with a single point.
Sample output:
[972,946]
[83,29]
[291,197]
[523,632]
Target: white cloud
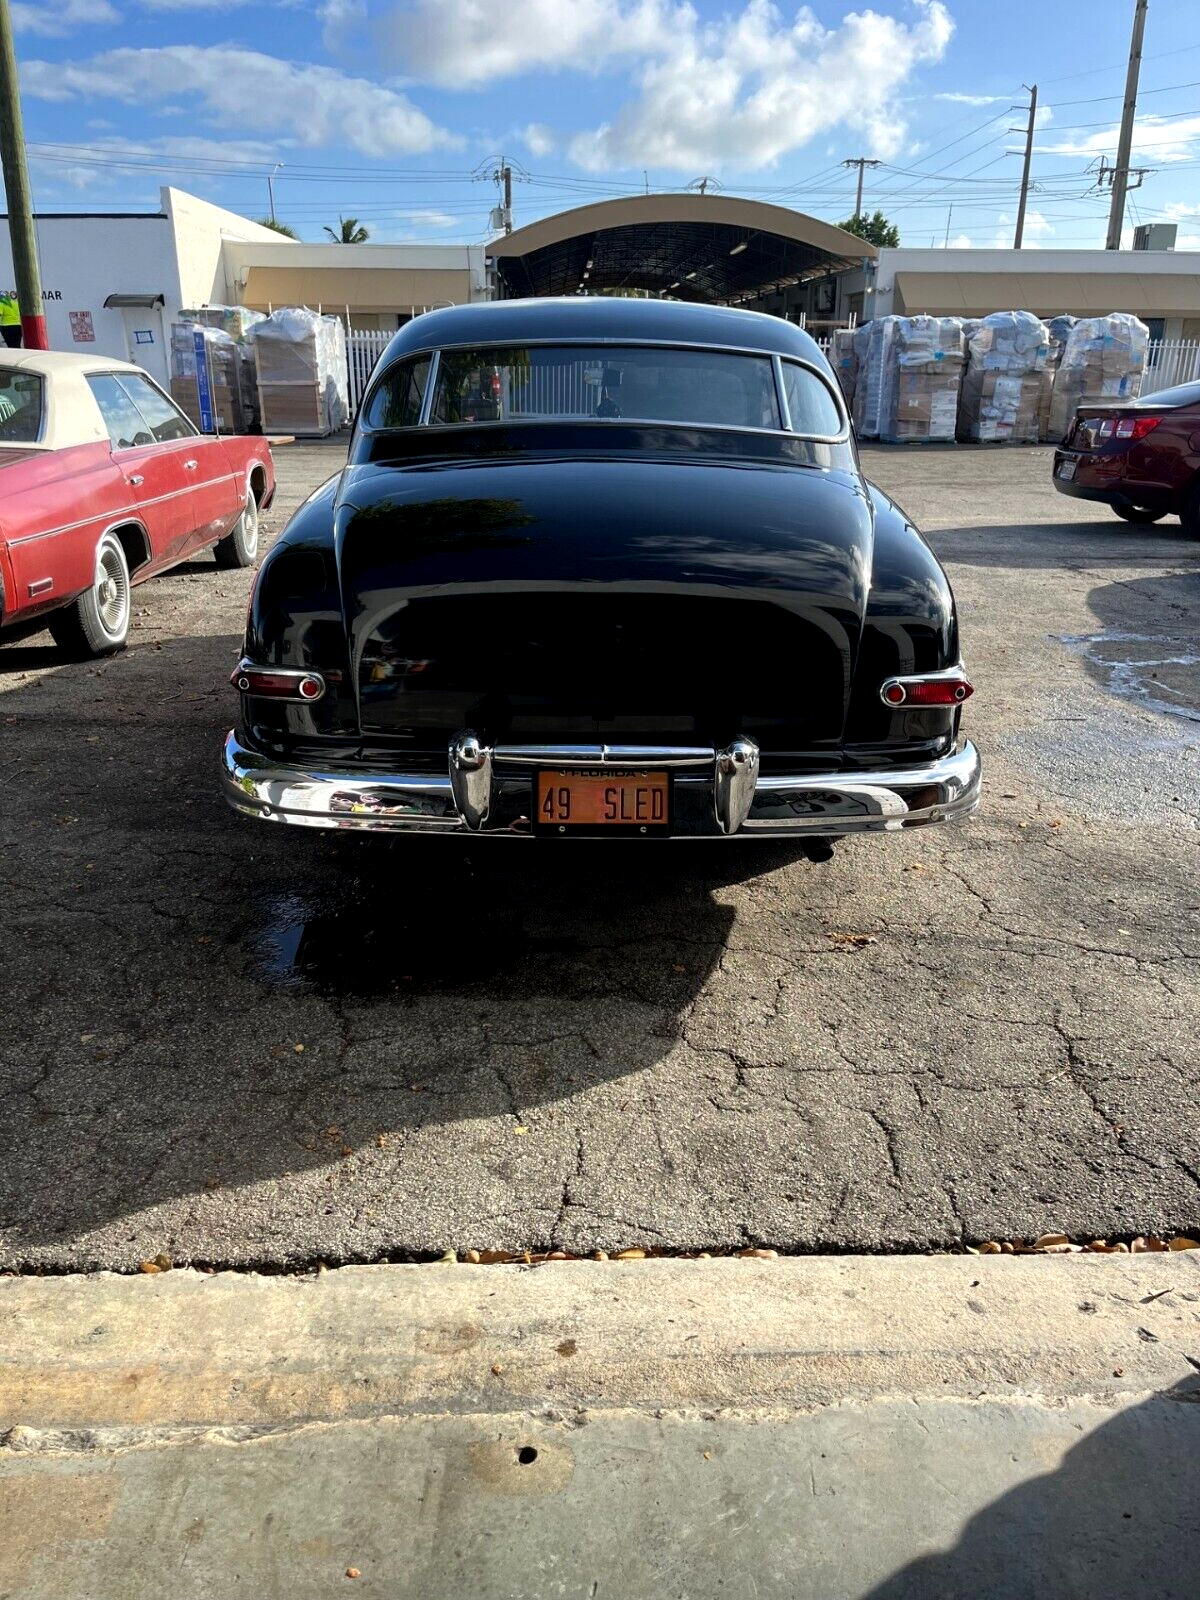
[962,241]
[1154,138]
[539,139]
[313,105]
[428,219]
[57,18]
[970,99]
[1037,227]
[465,43]
[747,89]
[339,19]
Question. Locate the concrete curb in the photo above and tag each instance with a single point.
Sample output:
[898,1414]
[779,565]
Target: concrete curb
[826,1427]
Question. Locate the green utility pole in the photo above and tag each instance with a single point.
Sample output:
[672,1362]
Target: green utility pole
[16,189]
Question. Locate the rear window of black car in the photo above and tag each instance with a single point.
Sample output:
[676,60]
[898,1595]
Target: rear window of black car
[635,383]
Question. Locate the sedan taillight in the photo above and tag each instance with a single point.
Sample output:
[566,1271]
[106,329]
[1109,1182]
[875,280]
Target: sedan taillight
[277,683]
[948,688]
[1134,428]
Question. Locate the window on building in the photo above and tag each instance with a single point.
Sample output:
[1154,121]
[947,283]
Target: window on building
[166,420]
[127,428]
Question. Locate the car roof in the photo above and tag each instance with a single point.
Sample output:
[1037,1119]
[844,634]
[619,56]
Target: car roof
[49,362]
[603,317]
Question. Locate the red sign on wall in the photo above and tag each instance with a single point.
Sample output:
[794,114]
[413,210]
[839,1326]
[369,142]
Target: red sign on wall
[82,330]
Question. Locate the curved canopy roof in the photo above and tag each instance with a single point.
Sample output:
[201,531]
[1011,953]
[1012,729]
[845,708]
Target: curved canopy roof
[710,247]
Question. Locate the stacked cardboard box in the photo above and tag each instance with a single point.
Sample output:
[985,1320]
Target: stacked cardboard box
[225,367]
[1002,385]
[922,371]
[303,378]
[1058,328]
[1103,360]
[844,360]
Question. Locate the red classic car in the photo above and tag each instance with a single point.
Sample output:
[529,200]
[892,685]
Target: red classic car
[1142,457]
[105,482]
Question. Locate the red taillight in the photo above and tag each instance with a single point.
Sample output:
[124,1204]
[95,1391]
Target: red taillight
[1135,428]
[496,386]
[935,689]
[278,683]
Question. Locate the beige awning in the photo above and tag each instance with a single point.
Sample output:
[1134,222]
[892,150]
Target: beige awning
[360,288]
[974,294]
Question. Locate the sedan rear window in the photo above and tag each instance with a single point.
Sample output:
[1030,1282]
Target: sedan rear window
[21,400]
[701,388]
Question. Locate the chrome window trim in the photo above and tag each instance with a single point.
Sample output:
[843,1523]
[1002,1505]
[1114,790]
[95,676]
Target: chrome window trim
[776,359]
[435,363]
[43,412]
[835,393]
[122,378]
[781,399]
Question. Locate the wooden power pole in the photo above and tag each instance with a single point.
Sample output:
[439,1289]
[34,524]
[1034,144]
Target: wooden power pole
[860,162]
[16,189]
[1020,233]
[1120,177]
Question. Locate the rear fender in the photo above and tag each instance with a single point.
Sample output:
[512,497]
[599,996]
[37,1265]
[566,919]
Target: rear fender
[910,627]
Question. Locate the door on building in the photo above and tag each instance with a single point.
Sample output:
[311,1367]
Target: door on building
[146,341]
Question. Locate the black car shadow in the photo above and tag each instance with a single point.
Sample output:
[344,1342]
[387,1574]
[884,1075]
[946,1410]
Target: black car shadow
[1116,1519]
[194,999]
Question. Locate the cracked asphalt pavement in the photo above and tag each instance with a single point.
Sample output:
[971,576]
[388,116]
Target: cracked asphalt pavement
[244,1044]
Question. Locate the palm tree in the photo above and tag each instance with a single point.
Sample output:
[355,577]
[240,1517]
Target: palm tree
[348,231]
[277,227]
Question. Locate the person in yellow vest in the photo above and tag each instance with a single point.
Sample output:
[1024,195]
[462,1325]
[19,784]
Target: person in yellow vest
[10,320]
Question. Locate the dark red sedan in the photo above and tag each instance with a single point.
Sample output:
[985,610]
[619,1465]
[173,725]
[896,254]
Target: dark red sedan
[1142,457]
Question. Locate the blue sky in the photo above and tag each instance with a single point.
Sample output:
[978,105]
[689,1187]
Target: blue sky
[395,111]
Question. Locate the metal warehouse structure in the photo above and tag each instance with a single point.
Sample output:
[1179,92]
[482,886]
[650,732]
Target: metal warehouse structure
[707,247]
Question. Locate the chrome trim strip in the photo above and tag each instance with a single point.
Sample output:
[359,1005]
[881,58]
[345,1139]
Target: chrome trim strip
[84,522]
[785,411]
[824,805]
[435,362]
[600,755]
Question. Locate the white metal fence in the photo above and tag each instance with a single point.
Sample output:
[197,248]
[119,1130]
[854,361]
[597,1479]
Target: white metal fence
[1168,361]
[363,349]
[1171,361]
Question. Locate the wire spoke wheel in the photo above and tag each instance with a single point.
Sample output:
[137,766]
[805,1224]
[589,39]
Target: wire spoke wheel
[112,591]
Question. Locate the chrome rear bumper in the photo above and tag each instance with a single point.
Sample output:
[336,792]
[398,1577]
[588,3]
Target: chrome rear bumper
[718,793]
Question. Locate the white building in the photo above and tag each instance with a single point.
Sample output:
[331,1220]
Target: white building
[1162,287]
[113,282]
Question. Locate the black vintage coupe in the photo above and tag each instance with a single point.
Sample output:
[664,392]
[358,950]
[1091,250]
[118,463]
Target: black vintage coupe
[602,567]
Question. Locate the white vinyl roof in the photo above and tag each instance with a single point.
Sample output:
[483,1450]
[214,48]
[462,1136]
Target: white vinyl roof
[70,413]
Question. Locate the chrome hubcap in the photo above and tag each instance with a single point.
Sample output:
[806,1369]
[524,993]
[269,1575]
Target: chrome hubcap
[250,526]
[112,591]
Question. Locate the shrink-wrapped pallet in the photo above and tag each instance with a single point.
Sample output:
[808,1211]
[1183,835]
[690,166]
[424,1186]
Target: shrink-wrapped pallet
[922,371]
[1002,385]
[870,346]
[303,381]
[225,367]
[1058,328]
[844,360]
[1103,360]
[236,321]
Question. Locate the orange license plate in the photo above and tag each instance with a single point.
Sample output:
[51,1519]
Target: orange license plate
[603,800]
